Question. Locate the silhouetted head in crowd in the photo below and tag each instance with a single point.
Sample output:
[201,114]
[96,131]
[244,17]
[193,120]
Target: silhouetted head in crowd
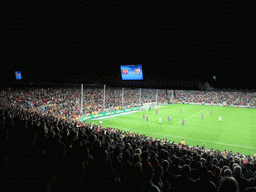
[138,151]
[117,151]
[106,145]
[153,155]
[165,165]
[136,158]
[131,151]
[215,161]
[126,155]
[148,172]
[217,171]
[227,173]
[166,155]
[237,170]
[187,162]
[185,170]
[228,184]
[158,171]
[177,161]
[144,156]
[198,165]
[223,169]
[233,166]
[221,163]
[96,144]
[101,138]
[204,174]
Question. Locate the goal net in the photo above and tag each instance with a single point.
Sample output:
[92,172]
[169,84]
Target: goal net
[148,106]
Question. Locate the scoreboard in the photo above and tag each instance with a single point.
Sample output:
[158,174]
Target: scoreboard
[131,72]
[18,75]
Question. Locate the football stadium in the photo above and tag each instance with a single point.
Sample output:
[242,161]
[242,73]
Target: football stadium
[128,96]
[190,122]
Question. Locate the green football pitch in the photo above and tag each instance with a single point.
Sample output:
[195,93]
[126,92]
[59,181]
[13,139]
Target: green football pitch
[236,131]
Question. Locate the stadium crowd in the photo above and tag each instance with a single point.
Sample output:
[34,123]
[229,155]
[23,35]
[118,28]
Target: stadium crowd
[45,152]
[231,98]
[67,102]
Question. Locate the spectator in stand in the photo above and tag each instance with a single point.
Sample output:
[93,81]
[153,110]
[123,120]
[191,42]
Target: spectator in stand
[242,182]
[145,159]
[216,177]
[175,169]
[157,179]
[182,142]
[153,159]
[183,182]
[126,173]
[204,183]
[116,159]
[188,162]
[195,173]
[167,178]
[221,163]
[228,184]
[148,173]
[227,173]
[165,156]
[100,173]
[136,160]
[97,151]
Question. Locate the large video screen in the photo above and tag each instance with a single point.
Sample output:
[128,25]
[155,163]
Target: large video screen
[18,75]
[131,72]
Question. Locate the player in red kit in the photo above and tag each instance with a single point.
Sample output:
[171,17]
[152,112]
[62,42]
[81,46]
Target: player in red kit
[183,123]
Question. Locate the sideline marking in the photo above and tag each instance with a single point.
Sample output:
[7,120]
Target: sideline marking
[189,138]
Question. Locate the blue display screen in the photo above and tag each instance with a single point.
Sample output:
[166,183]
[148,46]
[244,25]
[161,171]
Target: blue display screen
[18,75]
[131,72]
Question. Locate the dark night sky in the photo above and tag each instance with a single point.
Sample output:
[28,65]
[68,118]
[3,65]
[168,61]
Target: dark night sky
[88,41]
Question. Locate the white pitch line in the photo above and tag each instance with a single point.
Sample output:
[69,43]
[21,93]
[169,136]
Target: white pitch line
[190,139]
[193,114]
[235,145]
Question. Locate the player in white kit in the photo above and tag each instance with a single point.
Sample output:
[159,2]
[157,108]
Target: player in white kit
[219,118]
[160,121]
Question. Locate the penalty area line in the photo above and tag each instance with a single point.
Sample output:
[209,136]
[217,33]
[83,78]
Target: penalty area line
[194,114]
